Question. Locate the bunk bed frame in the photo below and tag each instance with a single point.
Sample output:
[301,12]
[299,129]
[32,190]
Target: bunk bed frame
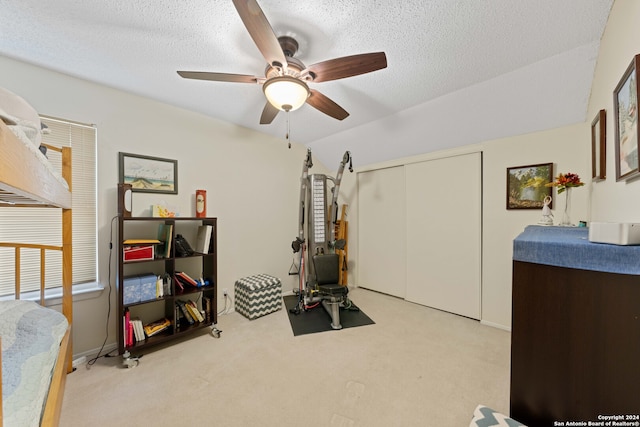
[26,181]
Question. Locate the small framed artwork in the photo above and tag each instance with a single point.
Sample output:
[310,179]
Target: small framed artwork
[526,186]
[148,174]
[599,146]
[625,103]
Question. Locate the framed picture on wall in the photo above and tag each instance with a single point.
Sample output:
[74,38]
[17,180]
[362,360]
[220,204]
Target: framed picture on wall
[625,103]
[148,174]
[526,186]
[599,146]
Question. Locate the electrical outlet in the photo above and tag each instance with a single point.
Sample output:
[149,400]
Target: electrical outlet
[225,292]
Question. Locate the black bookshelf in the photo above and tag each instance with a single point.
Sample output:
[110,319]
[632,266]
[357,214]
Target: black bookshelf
[163,304]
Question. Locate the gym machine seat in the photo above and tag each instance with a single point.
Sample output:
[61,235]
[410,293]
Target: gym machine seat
[327,268]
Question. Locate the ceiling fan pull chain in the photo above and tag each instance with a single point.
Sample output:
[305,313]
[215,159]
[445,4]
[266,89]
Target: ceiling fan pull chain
[288,131]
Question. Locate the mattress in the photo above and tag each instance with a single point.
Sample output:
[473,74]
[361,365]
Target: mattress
[31,337]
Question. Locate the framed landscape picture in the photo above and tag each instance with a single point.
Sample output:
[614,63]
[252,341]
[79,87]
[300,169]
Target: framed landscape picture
[526,186]
[148,174]
[625,103]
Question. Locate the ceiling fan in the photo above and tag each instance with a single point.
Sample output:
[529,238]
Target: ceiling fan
[285,82]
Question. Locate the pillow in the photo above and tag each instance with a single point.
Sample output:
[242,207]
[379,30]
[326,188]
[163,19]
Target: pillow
[487,417]
[22,118]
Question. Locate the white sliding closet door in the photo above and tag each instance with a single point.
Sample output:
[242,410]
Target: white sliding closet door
[381,231]
[444,211]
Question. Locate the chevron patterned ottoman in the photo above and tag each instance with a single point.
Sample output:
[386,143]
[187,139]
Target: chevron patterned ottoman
[487,417]
[258,295]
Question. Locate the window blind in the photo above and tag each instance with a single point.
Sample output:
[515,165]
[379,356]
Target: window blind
[44,226]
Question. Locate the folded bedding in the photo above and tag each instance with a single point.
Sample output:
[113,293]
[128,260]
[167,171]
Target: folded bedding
[23,120]
[21,117]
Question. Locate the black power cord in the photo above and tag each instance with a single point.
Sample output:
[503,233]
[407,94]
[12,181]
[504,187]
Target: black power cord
[92,361]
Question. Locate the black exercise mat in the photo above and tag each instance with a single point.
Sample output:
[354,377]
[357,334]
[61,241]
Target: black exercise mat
[318,320]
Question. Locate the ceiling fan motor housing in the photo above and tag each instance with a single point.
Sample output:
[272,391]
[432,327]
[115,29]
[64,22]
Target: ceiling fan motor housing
[289,45]
[294,67]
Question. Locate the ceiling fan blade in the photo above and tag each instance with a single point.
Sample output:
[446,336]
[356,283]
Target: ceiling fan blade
[218,77]
[268,114]
[260,31]
[348,66]
[323,103]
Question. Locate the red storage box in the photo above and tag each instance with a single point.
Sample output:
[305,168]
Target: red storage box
[138,253]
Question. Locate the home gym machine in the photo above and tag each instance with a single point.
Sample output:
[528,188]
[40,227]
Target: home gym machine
[319,270]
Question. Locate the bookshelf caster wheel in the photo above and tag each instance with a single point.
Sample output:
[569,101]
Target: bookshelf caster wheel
[129,361]
[215,332]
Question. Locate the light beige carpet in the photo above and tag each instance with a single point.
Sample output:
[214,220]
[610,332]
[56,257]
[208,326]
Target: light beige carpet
[415,366]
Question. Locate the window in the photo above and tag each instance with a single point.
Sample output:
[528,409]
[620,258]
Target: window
[44,226]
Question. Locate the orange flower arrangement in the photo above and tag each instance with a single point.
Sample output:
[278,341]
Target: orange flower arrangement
[564,181]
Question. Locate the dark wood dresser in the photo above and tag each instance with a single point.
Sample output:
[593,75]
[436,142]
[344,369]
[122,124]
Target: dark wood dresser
[575,348]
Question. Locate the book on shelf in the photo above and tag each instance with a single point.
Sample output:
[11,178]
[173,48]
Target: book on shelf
[185,311]
[186,279]
[178,283]
[156,327]
[138,242]
[138,324]
[178,316]
[165,233]
[206,301]
[194,310]
[138,331]
[131,334]
[131,338]
[166,284]
[163,285]
[203,240]
[181,282]
[126,323]
[159,287]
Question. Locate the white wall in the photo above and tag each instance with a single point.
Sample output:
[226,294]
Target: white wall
[611,200]
[568,147]
[252,180]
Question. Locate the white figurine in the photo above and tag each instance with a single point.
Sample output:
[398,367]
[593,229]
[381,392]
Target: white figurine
[547,215]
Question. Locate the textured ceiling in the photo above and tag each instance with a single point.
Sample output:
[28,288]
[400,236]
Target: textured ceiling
[434,48]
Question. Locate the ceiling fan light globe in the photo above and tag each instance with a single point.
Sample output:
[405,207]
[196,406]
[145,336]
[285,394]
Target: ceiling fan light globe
[286,93]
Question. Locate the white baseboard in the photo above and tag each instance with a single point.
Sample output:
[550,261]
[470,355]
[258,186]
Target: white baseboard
[79,361]
[495,325]
[90,354]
